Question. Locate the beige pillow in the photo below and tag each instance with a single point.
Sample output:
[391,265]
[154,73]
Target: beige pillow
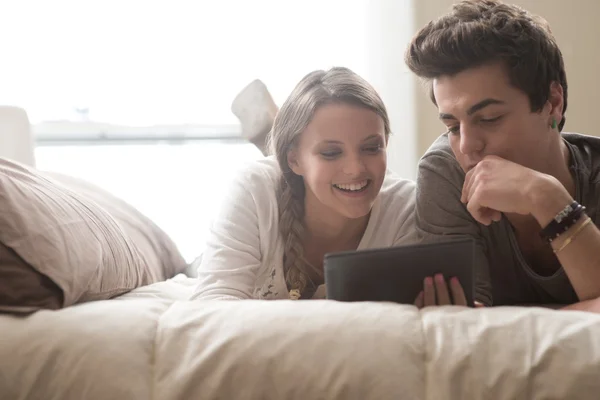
[22,288]
[88,243]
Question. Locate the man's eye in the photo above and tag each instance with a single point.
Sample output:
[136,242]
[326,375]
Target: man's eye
[454,129]
[490,120]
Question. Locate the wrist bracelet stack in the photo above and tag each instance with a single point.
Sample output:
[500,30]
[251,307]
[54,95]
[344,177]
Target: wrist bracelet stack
[574,235]
[564,220]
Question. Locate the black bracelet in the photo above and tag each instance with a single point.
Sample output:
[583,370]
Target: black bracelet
[563,221]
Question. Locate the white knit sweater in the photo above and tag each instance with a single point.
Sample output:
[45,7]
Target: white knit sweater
[243,258]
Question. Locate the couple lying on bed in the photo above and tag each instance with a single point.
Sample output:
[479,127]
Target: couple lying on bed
[503,174]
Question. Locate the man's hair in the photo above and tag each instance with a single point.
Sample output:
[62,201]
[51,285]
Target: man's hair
[479,32]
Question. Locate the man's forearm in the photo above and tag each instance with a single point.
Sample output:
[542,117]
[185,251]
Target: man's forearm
[580,258]
[578,248]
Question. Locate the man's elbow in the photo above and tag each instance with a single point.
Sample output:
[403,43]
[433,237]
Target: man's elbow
[592,305]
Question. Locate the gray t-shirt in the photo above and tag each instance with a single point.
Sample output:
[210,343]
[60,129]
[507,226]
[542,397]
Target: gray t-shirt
[503,277]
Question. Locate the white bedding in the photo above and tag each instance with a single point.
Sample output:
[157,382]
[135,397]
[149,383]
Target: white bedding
[153,344]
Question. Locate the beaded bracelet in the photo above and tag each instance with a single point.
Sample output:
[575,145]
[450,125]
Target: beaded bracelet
[562,221]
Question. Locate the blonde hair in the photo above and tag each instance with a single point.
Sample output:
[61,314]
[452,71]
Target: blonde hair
[318,88]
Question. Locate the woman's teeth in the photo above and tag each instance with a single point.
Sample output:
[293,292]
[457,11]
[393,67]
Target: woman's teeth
[353,187]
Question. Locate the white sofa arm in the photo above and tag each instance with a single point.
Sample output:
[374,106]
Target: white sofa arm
[16,140]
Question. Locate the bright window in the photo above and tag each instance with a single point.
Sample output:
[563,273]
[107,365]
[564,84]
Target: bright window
[88,69]
[146,62]
[177,186]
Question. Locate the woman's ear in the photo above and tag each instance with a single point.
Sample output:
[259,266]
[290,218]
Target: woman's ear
[292,158]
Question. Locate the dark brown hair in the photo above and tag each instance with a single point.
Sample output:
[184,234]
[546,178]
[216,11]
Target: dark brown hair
[478,32]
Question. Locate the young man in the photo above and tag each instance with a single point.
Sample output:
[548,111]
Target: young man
[503,173]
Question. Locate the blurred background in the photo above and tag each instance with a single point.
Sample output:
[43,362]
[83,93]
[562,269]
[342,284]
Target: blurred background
[135,96]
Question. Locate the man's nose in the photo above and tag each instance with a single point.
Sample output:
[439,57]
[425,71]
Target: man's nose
[471,141]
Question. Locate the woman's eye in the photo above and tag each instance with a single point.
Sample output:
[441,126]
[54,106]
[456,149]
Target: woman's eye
[330,154]
[373,149]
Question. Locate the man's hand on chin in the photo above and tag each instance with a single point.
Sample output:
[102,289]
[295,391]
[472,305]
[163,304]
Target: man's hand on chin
[495,186]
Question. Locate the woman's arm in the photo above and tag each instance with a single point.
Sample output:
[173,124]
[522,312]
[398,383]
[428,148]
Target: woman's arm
[232,258]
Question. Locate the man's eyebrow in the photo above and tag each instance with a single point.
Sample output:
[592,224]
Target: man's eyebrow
[482,104]
[447,116]
[473,109]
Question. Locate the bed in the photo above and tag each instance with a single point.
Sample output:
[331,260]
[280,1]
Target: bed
[94,304]
[152,343]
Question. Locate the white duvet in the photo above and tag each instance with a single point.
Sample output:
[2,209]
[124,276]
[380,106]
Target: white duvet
[154,344]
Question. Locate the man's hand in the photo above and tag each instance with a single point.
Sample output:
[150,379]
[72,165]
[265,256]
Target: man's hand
[495,186]
[436,292]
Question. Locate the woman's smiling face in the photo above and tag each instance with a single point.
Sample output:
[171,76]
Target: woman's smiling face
[342,158]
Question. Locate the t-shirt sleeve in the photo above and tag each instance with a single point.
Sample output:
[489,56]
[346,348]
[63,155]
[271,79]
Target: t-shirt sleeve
[232,257]
[440,213]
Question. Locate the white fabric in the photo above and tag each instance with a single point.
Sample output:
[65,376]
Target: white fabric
[243,258]
[16,139]
[255,108]
[153,344]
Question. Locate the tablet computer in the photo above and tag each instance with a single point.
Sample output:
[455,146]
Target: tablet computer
[396,274]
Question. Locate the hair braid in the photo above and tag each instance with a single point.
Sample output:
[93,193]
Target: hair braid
[291,226]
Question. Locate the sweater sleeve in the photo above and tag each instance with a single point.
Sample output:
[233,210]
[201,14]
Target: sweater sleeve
[232,258]
[440,212]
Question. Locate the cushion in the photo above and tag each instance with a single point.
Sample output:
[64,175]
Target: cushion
[59,232]
[22,288]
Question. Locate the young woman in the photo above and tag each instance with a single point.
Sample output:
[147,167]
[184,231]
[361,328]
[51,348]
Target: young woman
[326,189]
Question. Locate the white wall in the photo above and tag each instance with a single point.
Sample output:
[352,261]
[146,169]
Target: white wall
[390,25]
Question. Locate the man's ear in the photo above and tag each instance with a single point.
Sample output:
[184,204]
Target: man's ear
[293,163]
[556,100]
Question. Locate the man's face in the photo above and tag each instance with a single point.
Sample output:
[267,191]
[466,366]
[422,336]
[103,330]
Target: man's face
[486,115]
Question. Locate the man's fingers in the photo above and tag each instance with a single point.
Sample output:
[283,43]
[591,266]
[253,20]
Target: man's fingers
[435,292]
[495,216]
[467,186]
[479,212]
[441,288]
[419,300]
[458,294]
[428,292]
